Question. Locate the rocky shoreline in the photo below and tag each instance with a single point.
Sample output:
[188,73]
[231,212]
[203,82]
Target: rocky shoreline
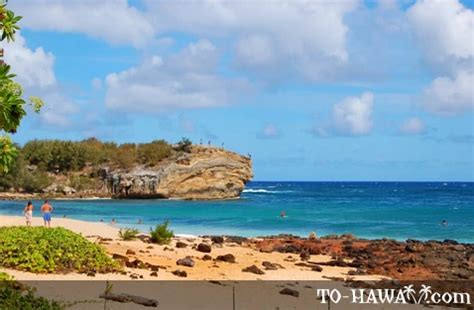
[408,260]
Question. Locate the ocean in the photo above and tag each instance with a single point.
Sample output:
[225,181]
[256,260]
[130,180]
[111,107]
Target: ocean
[396,210]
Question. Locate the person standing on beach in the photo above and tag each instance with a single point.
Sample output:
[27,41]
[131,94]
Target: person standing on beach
[46,209]
[28,212]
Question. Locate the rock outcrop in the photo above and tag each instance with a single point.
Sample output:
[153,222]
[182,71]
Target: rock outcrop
[202,173]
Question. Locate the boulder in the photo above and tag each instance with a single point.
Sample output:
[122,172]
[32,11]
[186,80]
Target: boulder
[253,269]
[271,266]
[180,273]
[305,255]
[181,245]
[205,248]
[217,239]
[228,258]
[187,261]
[206,257]
[130,252]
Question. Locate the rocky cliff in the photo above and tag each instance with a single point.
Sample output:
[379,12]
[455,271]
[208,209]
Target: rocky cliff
[201,173]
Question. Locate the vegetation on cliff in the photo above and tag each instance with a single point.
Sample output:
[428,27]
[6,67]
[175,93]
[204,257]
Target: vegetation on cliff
[40,161]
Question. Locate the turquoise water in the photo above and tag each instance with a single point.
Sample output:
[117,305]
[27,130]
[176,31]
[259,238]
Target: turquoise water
[365,209]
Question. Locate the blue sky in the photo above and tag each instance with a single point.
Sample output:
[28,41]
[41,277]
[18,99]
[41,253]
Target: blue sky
[342,90]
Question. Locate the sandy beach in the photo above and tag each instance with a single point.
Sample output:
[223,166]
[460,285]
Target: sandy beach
[165,256]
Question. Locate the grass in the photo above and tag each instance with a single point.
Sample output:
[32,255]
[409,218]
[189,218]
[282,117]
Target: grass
[161,234]
[127,234]
[51,250]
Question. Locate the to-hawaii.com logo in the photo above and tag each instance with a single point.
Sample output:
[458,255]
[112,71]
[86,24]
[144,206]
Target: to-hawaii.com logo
[406,295]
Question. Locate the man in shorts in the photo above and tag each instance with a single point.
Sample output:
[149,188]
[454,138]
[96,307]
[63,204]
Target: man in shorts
[46,209]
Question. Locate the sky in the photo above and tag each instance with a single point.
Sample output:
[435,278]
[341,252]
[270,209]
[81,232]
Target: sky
[317,90]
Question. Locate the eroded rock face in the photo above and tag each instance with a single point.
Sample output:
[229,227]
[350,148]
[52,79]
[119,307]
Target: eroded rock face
[204,173]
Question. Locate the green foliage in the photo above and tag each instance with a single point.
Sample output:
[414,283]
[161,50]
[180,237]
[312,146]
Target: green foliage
[55,155]
[28,167]
[126,155]
[8,153]
[40,249]
[184,145]
[152,153]
[8,23]
[5,277]
[16,296]
[12,104]
[161,234]
[127,234]
[82,182]
[21,178]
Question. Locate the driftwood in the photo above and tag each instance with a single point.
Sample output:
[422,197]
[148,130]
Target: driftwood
[147,302]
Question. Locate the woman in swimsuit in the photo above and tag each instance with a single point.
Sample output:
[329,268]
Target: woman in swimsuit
[28,212]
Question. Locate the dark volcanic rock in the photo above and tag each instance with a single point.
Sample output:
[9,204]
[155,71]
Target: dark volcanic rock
[206,257]
[290,292]
[217,239]
[229,258]
[187,261]
[180,273]
[154,274]
[181,245]
[253,269]
[305,255]
[205,248]
[130,252]
[271,266]
[317,268]
[136,263]
[235,239]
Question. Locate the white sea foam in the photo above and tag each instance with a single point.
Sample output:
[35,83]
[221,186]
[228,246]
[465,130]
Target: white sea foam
[260,190]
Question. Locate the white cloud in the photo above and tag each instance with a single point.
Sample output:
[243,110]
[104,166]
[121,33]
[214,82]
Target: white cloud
[270,131]
[353,115]
[34,68]
[412,126]
[112,20]
[35,72]
[187,79]
[350,117]
[450,96]
[444,29]
[308,37]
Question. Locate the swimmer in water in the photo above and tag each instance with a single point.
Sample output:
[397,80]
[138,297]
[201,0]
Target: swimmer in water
[283,213]
[444,223]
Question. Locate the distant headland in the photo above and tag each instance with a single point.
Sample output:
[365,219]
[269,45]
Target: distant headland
[92,168]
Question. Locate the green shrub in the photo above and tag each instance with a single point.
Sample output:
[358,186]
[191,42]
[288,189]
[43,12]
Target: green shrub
[161,234]
[184,145]
[16,296]
[82,182]
[127,234]
[152,153]
[40,249]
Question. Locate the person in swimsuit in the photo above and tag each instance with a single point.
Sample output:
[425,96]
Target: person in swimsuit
[28,212]
[46,209]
